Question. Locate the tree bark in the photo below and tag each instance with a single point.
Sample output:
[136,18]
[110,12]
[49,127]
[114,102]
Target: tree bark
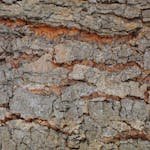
[74,74]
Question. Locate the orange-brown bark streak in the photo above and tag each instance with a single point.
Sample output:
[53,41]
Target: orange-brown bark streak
[52,33]
[125,135]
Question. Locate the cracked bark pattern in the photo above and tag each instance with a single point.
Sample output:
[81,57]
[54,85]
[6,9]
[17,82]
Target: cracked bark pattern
[74,74]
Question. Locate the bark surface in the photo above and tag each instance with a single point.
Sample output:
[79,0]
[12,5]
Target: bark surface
[74,74]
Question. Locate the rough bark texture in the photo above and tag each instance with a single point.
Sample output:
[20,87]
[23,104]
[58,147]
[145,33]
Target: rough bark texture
[74,74]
